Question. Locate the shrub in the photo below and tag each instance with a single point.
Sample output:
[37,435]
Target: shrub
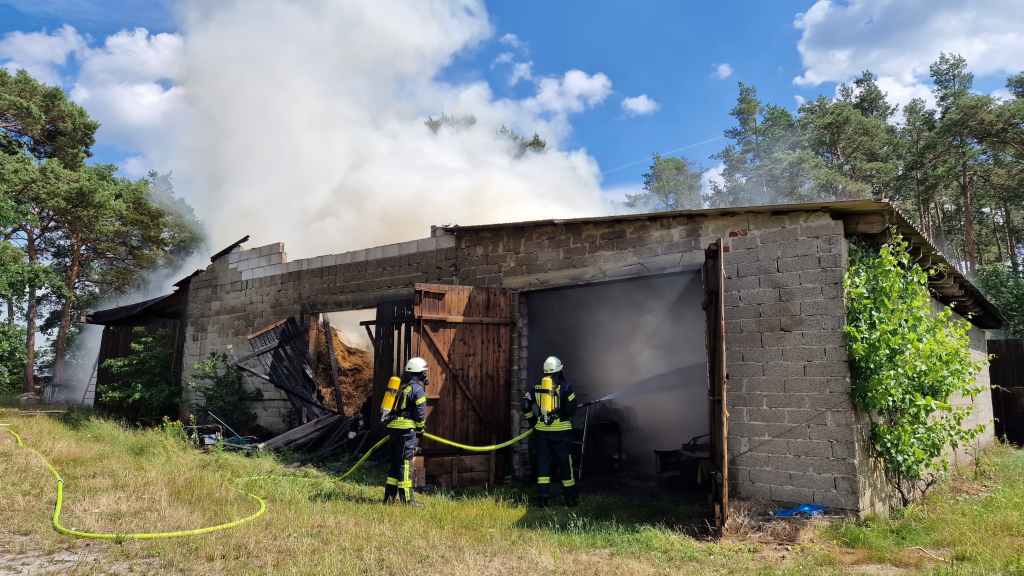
[909,361]
[142,388]
[221,390]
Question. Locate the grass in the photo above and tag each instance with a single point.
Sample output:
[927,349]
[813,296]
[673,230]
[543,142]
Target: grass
[147,480]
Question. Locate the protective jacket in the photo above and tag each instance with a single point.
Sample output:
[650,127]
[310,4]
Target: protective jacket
[408,417]
[551,445]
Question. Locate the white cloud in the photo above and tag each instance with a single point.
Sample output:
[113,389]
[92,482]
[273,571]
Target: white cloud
[722,71]
[131,84]
[573,92]
[287,121]
[512,41]
[41,54]
[503,58]
[520,71]
[899,40]
[800,100]
[640,105]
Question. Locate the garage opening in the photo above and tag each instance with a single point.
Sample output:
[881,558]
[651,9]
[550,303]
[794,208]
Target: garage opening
[641,344]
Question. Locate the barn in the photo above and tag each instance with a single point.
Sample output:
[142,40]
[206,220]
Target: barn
[695,326]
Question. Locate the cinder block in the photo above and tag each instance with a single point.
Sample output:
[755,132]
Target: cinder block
[784,369]
[739,341]
[804,385]
[768,476]
[742,312]
[803,354]
[756,269]
[780,309]
[781,340]
[780,235]
[759,296]
[781,280]
[826,369]
[801,247]
[799,263]
[766,415]
[800,323]
[791,494]
[743,242]
[744,369]
[815,230]
[746,283]
[823,482]
[800,293]
[816,448]
[762,354]
[764,384]
[807,416]
[835,500]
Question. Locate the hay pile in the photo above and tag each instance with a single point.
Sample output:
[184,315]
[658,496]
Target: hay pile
[355,373]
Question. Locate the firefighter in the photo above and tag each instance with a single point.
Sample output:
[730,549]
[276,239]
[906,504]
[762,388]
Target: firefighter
[550,407]
[404,410]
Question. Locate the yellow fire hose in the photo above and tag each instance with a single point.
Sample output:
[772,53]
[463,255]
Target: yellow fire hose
[61,529]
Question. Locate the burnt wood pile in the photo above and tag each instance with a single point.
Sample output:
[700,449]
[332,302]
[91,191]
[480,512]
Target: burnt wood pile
[284,354]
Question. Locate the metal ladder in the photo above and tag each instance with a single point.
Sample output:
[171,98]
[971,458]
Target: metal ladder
[89,394]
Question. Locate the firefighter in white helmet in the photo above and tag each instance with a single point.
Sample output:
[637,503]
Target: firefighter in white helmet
[404,411]
[550,407]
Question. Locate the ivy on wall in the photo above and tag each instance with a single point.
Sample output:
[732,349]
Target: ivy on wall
[909,362]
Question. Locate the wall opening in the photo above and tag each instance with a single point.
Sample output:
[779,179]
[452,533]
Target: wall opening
[642,341]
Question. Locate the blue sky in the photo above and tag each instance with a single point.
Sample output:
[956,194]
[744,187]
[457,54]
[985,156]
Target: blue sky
[577,63]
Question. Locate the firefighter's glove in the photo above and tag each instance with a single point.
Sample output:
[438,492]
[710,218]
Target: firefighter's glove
[526,403]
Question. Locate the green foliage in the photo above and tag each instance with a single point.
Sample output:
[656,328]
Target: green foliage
[222,390]
[669,184]
[910,362]
[143,389]
[1005,288]
[40,120]
[12,358]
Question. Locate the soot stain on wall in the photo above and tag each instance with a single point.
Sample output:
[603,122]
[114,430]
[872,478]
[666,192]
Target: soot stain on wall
[641,339]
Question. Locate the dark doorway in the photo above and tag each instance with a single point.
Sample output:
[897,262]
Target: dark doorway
[643,339]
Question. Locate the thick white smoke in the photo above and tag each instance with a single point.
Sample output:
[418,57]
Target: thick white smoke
[302,122]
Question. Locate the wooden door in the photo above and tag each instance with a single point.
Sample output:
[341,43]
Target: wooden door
[465,335]
[714,307]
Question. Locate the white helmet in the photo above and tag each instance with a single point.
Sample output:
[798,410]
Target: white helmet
[552,365]
[416,365]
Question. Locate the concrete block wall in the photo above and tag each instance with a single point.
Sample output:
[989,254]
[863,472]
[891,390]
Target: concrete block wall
[248,289]
[793,433]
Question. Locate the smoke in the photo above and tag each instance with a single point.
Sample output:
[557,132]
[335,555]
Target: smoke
[302,122]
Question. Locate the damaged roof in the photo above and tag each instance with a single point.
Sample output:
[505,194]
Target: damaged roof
[869,217]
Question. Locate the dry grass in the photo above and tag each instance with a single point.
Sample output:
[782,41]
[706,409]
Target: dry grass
[147,480]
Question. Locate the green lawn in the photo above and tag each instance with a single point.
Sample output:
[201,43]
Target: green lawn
[131,481]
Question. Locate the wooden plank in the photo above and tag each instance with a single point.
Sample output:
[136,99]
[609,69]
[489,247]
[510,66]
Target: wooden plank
[463,319]
[714,298]
[311,427]
[443,360]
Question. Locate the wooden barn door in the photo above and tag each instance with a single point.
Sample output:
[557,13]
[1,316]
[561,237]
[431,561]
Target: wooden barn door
[714,297]
[465,335]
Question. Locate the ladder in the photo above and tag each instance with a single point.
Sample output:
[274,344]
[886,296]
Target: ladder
[89,394]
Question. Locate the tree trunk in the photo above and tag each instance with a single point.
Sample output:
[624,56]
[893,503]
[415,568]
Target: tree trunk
[1011,242]
[970,243]
[70,280]
[30,320]
[10,312]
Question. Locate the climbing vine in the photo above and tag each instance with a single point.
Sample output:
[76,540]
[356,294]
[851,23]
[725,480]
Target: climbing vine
[910,360]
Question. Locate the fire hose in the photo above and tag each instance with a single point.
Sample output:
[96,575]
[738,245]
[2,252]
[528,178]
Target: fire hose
[55,521]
